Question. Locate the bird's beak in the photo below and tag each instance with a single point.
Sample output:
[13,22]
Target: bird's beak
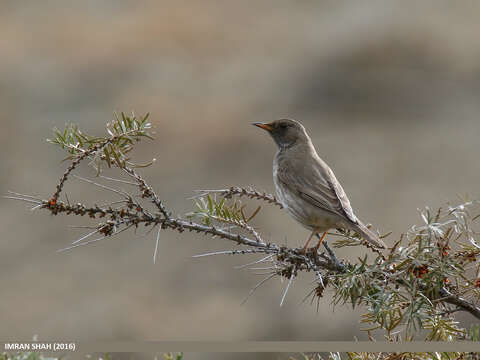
[264,126]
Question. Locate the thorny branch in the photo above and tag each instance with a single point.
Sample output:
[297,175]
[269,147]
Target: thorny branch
[231,223]
[238,191]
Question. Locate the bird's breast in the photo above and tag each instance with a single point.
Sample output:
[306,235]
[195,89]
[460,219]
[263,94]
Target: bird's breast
[308,215]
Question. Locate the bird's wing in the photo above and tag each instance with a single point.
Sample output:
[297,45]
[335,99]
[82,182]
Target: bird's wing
[319,188]
[342,197]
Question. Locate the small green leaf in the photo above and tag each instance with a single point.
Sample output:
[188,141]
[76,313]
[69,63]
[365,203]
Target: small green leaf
[210,204]
[254,213]
[117,159]
[107,156]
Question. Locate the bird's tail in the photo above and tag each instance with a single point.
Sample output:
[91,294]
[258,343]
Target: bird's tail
[369,235]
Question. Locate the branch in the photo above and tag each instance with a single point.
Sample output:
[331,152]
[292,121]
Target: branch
[285,257]
[463,304]
[239,191]
[394,286]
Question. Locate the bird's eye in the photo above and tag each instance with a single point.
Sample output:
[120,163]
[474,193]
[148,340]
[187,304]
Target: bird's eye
[283,126]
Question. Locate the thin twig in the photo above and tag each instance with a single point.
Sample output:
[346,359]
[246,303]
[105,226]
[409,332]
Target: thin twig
[333,257]
[239,191]
[147,191]
[231,252]
[77,159]
[460,302]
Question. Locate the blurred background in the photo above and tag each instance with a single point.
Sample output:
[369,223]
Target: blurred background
[389,92]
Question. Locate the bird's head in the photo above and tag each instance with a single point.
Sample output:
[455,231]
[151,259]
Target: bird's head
[285,132]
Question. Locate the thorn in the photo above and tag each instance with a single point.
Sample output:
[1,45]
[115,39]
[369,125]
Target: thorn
[256,287]
[85,236]
[156,246]
[288,286]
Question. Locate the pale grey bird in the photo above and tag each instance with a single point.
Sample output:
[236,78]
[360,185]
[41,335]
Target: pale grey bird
[307,187]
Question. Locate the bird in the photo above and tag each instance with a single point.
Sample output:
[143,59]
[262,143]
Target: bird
[307,188]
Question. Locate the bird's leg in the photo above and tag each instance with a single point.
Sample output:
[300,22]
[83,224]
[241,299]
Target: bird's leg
[320,241]
[304,250]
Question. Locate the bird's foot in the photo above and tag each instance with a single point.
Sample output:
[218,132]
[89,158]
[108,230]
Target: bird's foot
[305,250]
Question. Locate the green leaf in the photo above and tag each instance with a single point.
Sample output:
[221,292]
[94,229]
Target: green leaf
[107,156]
[117,159]
[254,214]
[210,204]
